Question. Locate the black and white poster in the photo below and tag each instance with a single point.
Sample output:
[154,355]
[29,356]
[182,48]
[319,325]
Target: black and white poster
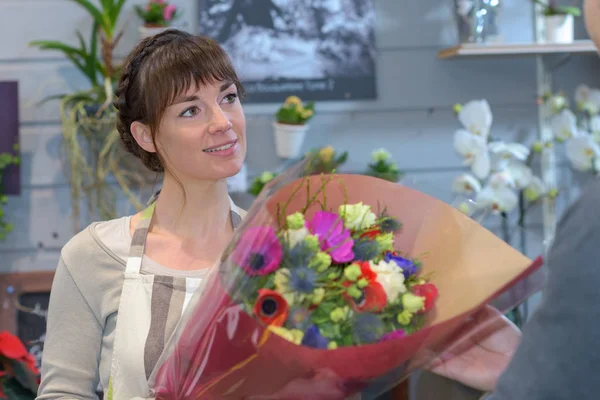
[315,49]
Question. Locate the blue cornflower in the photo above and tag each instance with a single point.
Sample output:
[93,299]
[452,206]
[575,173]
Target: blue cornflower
[390,224]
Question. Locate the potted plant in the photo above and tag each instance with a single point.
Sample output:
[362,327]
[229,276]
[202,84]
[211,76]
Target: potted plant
[291,126]
[383,167]
[93,154]
[559,21]
[157,15]
[6,160]
[19,377]
[325,160]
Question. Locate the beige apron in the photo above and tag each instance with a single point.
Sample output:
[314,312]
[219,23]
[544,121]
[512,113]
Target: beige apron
[149,309]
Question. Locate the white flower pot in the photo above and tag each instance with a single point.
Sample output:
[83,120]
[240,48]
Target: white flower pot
[560,29]
[146,31]
[289,139]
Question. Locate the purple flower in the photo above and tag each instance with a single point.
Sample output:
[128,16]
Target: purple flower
[398,334]
[258,251]
[408,267]
[329,228]
[312,338]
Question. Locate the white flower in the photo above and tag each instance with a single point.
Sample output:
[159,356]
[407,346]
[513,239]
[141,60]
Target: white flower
[535,189]
[357,216]
[583,152]
[556,103]
[501,179]
[497,199]
[476,117]
[509,150]
[474,149]
[467,208]
[466,183]
[520,173]
[295,236]
[380,155]
[564,125]
[587,99]
[390,277]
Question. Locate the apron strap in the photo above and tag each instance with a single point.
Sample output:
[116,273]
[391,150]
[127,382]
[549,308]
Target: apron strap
[138,242]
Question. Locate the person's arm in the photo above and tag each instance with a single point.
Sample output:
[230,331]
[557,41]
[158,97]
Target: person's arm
[559,353]
[591,14]
[73,341]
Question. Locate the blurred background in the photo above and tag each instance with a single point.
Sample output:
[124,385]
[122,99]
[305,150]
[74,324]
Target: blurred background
[388,83]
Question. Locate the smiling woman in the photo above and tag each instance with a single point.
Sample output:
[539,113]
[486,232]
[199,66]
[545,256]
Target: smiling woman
[122,285]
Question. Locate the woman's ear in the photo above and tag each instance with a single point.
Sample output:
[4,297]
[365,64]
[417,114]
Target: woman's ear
[143,137]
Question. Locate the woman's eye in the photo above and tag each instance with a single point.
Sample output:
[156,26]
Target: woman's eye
[190,112]
[230,98]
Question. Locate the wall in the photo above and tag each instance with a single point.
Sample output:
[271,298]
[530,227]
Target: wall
[412,116]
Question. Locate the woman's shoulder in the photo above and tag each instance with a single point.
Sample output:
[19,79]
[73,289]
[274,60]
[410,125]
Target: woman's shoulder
[88,247]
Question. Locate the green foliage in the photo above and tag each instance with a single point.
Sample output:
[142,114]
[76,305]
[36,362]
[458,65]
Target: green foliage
[157,14]
[293,112]
[93,153]
[6,160]
[551,9]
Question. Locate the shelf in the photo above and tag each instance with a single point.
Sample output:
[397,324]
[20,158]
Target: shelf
[512,49]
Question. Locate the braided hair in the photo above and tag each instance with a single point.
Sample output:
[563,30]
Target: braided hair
[155,73]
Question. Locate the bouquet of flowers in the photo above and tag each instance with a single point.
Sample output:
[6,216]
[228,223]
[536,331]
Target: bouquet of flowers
[349,274]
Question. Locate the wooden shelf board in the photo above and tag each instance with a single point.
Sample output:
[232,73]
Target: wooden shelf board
[512,49]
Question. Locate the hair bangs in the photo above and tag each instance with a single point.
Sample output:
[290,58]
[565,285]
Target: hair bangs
[181,66]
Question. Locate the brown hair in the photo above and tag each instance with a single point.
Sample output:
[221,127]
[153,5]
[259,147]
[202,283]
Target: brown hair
[159,69]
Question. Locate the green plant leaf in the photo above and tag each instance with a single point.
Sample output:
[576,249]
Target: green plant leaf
[99,17]
[56,45]
[115,11]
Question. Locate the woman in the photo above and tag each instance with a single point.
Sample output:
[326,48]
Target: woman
[121,285]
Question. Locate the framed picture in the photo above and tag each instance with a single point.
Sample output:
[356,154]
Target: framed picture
[9,135]
[24,298]
[315,49]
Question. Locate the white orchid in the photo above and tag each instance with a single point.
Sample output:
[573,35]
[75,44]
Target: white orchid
[520,173]
[475,150]
[466,184]
[535,189]
[498,199]
[509,150]
[556,103]
[476,117]
[584,153]
[564,125]
[587,99]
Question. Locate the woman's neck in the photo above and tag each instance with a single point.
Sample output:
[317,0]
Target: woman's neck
[202,212]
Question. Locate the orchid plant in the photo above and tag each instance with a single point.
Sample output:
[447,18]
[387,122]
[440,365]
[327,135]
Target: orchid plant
[500,178]
[580,132]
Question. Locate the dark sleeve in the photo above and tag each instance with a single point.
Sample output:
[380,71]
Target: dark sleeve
[559,355]
[73,342]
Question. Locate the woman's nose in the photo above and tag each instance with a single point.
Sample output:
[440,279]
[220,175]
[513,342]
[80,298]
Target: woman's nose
[219,122]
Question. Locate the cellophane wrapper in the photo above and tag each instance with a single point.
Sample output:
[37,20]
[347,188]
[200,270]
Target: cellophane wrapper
[221,349]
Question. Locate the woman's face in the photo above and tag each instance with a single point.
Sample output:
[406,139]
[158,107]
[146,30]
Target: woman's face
[202,135]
